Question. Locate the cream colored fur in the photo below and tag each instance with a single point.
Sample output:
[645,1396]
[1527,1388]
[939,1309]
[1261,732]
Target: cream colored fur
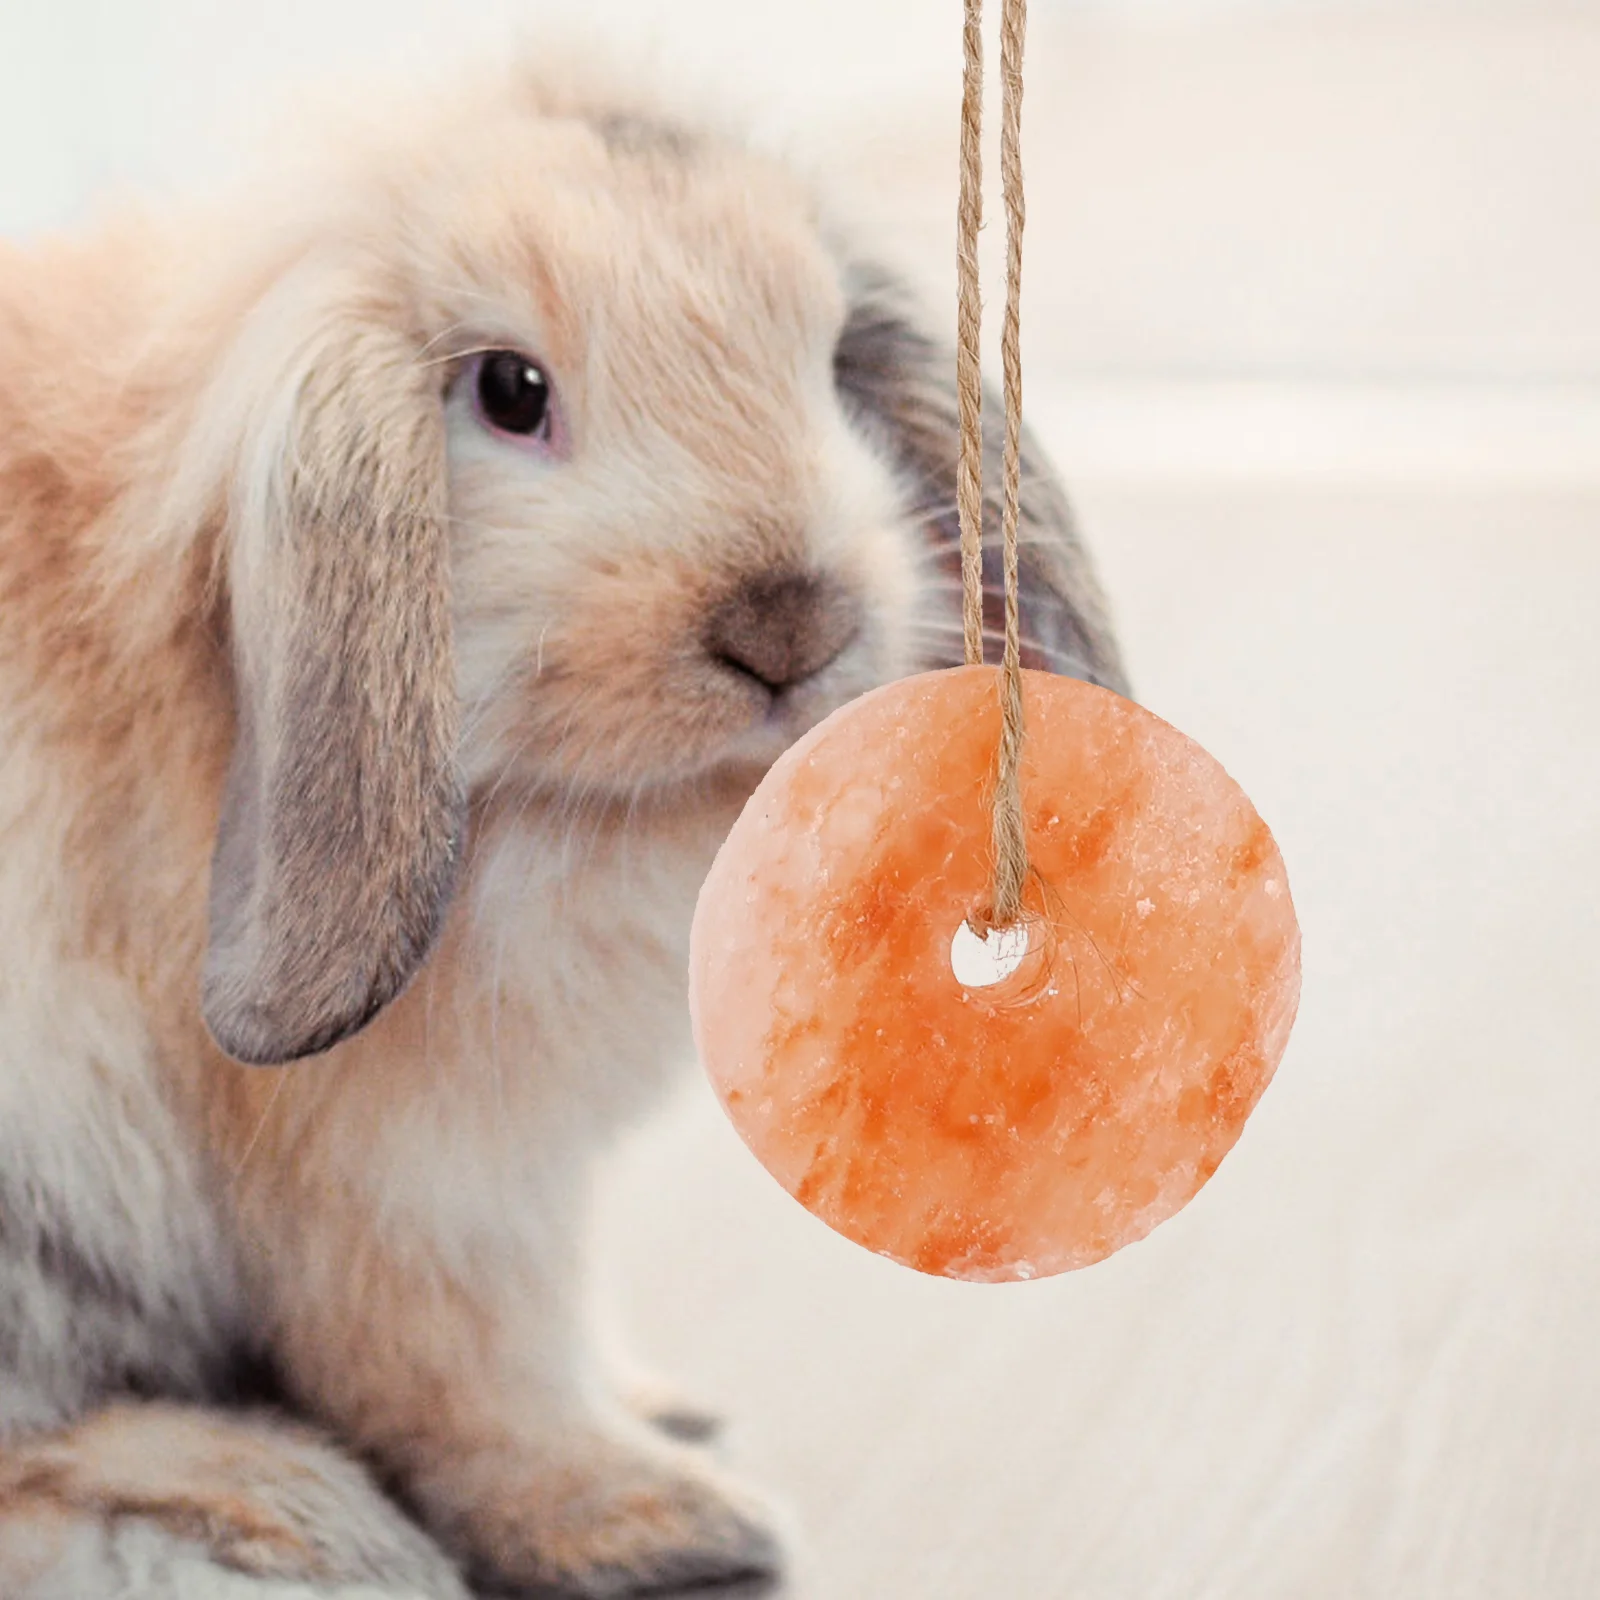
[240,481]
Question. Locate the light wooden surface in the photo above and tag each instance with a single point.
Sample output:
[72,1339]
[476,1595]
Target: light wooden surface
[1362,1363]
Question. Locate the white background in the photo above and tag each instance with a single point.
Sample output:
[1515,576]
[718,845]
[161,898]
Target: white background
[1393,204]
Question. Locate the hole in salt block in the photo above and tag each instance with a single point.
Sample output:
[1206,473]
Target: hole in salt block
[981,963]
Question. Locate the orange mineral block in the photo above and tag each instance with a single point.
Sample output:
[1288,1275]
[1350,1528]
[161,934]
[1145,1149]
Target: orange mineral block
[1028,1103]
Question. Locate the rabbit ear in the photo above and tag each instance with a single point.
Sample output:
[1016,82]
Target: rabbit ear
[900,382]
[343,815]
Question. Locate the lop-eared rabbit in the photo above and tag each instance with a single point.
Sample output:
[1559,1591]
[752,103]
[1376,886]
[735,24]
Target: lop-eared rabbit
[400,591]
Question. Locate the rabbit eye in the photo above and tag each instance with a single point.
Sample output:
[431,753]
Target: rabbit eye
[513,394]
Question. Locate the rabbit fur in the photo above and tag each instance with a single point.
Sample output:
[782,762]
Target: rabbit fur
[342,734]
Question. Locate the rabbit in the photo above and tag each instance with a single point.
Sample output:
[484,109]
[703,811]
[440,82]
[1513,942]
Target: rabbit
[404,581]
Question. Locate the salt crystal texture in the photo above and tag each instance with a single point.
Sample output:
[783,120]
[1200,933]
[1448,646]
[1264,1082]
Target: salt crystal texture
[1023,1127]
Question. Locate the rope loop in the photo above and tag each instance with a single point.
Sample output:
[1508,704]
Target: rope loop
[1010,829]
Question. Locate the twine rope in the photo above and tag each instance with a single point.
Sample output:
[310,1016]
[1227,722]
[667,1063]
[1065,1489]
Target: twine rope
[969,334]
[1009,826]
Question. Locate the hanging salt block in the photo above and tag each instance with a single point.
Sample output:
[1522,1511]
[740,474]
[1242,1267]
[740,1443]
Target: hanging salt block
[1026,1102]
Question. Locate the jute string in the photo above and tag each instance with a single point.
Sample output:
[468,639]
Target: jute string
[1010,831]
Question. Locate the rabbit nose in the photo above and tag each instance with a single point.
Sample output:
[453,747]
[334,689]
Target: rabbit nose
[780,628]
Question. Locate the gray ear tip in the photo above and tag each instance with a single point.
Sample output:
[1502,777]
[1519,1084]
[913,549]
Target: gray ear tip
[262,1032]
[278,985]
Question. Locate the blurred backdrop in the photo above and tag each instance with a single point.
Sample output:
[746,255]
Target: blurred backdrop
[1312,322]
[1351,198]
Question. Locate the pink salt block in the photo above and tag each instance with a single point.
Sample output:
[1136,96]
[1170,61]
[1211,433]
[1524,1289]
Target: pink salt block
[979,1129]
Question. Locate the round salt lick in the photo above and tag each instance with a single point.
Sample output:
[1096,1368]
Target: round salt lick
[1026,1103]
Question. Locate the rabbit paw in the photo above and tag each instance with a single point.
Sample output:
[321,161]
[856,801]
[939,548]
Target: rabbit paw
[618,1520]
[125,1501]
[658,1403]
